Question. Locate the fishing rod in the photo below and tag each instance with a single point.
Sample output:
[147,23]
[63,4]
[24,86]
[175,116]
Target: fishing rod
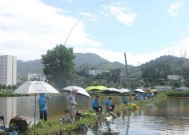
[72,29]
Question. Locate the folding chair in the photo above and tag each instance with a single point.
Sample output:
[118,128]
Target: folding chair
[67,113]
[77,116]
[3,128]
[66,118]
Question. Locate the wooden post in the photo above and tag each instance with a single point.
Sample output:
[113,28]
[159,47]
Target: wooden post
[127,76]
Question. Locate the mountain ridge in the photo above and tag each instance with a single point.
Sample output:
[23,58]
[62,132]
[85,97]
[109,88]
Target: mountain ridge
[82,61]
[157,68]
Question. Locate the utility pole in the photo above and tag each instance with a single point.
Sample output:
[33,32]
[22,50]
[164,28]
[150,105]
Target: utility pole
[127,76]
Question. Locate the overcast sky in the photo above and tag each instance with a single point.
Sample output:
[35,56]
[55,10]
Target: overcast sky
[144,29]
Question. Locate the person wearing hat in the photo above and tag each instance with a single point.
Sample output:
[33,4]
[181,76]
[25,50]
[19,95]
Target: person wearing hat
[109,105]
[95,105]
[42,101]
[71,104]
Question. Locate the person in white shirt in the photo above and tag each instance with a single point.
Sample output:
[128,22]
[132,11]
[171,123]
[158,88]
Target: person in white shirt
[71,104]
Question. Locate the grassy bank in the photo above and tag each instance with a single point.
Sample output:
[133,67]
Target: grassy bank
[89,118]
[138,104]
[62,127]
[10,94]
[172,93]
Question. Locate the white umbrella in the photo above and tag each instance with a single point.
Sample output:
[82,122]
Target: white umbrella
[113,90]
[33,87]
[81,90]
[139,90]
[123,90]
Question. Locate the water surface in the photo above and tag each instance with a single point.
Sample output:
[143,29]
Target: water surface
[168,117]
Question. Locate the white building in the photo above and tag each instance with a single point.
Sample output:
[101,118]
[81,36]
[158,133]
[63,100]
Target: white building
[162,88]
[174,77]
[38,77]
[8,70]
[97,72]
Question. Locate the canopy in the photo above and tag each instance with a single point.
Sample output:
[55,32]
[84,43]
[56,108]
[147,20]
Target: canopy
[114,90]
[154,90]
[35,87]
[99,87]
[111,90]
[123,90]
[139,90]
[81,90]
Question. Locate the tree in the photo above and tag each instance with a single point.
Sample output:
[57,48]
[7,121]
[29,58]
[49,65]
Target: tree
[147,84]
[58,66]
[114,75]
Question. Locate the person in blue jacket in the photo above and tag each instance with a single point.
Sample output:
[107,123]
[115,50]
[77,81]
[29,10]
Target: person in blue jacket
[42,101]
[124,100]
[109,105]
[95,105]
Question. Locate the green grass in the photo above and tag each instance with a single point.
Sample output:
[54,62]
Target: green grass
[60,127]
[11,94]
[120,109]
[89,118]
[172,93]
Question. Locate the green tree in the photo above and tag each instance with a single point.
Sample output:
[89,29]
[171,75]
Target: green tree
[114,75]
[147,84]
[58,66]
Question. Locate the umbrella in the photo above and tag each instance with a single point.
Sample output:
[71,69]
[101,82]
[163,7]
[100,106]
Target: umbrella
[154,90]
[81,90]
[99,87]
[139,90]
[111,90]
[32,87]
[123,90]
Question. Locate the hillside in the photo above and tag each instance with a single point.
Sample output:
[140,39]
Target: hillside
[165,65]
[82,61]
[24,68]
[93,61]
[154,69]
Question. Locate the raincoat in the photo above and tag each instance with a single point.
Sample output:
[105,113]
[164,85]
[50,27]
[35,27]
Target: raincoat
[108,103]
[95,103]
[42,101]
[124,99]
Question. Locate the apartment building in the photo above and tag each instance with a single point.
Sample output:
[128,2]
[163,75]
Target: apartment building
[8,70]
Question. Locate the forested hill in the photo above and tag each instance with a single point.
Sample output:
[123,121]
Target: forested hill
[82,61]
[165,65]
[25,68]
[91,60]
[155,69]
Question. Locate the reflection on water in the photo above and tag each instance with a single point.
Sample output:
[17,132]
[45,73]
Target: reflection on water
[168,117]
[7,108]
[24,106]
[163,118]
